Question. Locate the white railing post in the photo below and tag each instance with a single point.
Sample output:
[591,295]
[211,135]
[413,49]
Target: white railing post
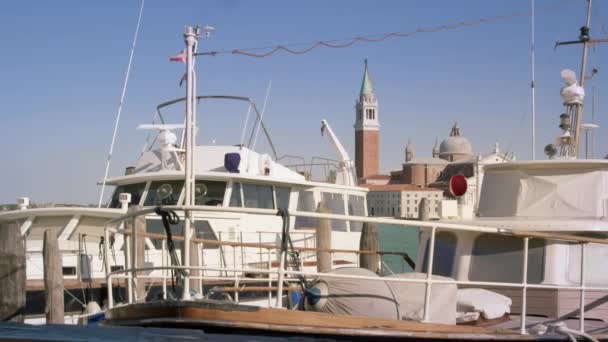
[164,263]
[429,276]
[279,301]
[201,273]
[582,299]
[269,277]
[134,261]
[524,289]
[236,288]
[128,263]
[106,237]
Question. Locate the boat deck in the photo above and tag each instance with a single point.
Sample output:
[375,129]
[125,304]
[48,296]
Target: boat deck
[218,317]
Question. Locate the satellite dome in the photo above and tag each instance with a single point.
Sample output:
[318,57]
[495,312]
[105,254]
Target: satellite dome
[455,147]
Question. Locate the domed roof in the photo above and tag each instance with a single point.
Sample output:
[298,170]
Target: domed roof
[455,144]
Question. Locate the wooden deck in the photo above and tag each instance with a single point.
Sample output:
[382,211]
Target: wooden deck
[216,317]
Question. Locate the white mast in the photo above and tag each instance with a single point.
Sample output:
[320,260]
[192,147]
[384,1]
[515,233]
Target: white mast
[191,36]
[122,99]
[533,89]
[579,112]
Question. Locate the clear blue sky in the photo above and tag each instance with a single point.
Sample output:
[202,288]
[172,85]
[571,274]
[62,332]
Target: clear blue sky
[63,62]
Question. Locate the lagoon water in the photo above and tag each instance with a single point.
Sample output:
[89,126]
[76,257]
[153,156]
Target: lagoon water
[398,239]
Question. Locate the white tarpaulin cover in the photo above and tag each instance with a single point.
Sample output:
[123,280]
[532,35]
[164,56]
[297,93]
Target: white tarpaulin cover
[544,193]
[490,304]
[387,300]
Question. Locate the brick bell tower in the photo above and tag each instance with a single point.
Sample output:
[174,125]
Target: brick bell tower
[367,130]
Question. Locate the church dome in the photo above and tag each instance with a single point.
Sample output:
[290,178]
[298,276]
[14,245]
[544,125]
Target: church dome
[455,147]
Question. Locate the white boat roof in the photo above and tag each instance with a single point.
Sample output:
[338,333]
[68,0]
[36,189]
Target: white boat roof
[61,211]
[538,224]
[549,191]
[210,165]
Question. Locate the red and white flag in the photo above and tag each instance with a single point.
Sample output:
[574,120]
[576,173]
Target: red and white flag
[180,57]
[182,80]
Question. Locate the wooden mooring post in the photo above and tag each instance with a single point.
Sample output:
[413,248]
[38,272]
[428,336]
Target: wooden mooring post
[12,273]
[323,240]
[369,242]
[53,278]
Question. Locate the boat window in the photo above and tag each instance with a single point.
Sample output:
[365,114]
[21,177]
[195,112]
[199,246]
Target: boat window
[282,196]
[499,258]
[136,191]
[306,202]
[335,204]
[202,230]
[356,207]
[164,192]
[257,196]
[235,197]
[595,264]
[209,193]
[443,255]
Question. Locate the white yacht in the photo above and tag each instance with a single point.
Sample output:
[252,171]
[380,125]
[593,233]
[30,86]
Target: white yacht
[233,176]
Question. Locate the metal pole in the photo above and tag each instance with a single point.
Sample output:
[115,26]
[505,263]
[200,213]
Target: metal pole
[122,99]
[128,263]
[190,36]
[164,263]
[524,289]
[586,144]
[582,296]
[579,109]
[106,236]
[533,90]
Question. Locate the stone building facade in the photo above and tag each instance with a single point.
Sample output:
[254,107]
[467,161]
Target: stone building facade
[401,200]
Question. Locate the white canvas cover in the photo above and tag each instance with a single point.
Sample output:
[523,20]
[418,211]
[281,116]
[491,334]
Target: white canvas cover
[410,297]
[387,300]
[490,304]
[544,193]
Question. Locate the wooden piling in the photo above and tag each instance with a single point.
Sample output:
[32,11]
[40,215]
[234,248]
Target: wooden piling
[369,242]
[323,239]
[424,210]
[12,273]
[53,278]
[138,248]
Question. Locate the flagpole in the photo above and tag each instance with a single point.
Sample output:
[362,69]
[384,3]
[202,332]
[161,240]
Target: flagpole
[122,99]
[533,85]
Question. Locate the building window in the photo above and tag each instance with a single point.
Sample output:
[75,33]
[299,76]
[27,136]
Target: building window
[499,258]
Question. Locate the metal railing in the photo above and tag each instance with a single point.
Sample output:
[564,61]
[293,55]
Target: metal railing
[283,274]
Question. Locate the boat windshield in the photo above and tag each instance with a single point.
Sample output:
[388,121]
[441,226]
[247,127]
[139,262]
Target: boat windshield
[136,190]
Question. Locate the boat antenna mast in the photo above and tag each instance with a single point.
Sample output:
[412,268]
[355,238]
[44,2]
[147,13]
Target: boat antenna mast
[122,100]
[571,137]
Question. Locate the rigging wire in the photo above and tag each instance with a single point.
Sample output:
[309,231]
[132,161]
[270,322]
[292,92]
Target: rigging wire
[374,38]
[122,99]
